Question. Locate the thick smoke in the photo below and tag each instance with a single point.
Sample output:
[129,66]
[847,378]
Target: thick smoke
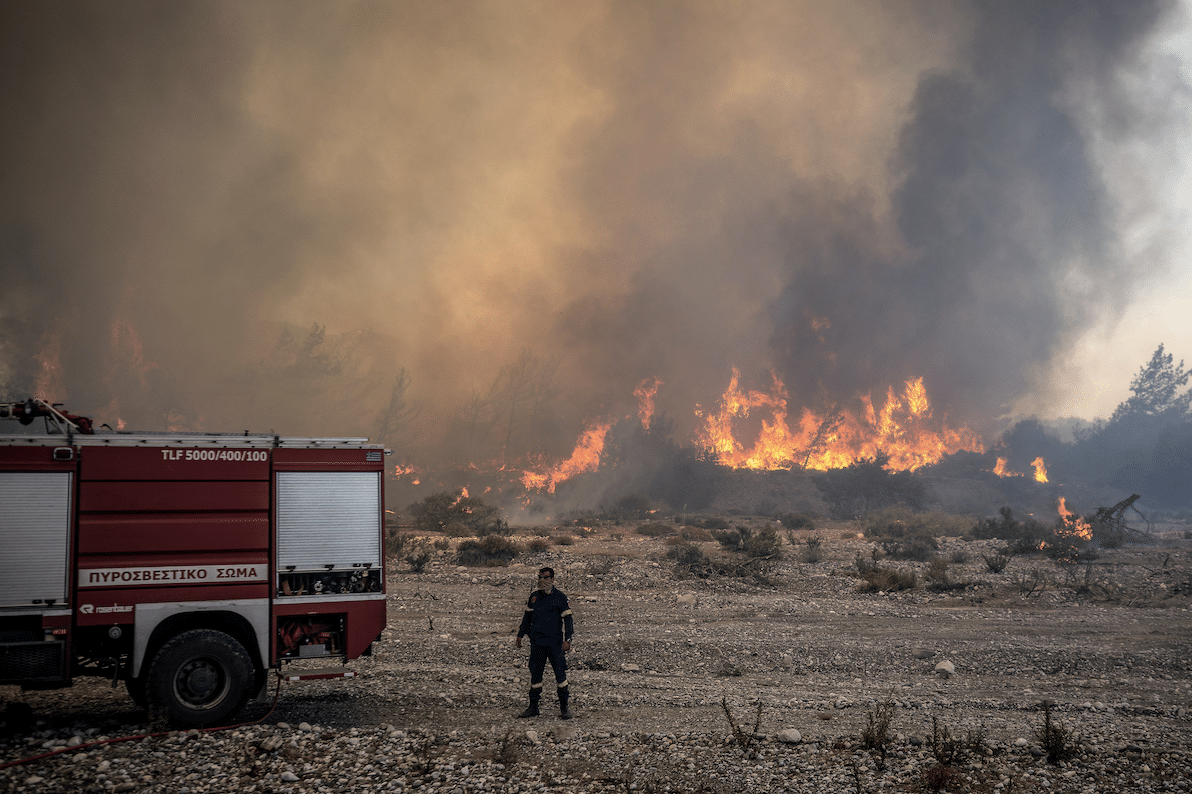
[849,193]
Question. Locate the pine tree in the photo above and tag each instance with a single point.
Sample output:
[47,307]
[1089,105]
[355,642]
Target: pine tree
[1156,390]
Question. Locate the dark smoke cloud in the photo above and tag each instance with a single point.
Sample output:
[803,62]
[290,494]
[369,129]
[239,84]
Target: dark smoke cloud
[1011,239]
[630,189]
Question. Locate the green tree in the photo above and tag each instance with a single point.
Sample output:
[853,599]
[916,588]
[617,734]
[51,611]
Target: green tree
[1156,390]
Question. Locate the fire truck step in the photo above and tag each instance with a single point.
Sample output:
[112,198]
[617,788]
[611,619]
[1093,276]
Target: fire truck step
[315,673]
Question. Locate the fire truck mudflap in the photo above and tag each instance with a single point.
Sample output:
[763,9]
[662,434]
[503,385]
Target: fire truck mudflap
[186,564]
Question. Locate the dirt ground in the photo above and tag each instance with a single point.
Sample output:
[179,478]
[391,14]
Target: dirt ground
[1109,642]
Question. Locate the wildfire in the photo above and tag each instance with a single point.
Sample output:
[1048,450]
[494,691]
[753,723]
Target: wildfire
[1073,523]
[644,393]
[1038,463]
[902,428]
[585,457]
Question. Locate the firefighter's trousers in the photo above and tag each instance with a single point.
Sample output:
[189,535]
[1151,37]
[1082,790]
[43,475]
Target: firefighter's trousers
[538,656]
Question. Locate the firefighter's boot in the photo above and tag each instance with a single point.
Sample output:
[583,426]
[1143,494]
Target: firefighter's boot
[564,710]
[532,709]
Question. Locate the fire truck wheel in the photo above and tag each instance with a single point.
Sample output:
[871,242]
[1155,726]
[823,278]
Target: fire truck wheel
[136,690]
[200,677]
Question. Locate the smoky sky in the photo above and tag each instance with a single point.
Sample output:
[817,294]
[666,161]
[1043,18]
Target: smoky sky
[848,194]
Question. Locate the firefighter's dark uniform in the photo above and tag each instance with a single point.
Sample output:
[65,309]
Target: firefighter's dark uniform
[548,623]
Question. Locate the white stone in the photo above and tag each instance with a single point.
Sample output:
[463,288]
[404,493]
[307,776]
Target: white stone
[790,736]
[289,777]
[946,669]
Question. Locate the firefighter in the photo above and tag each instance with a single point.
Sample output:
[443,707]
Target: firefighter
[549,624]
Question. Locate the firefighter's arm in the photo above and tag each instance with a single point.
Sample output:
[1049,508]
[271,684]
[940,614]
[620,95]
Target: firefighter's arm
[568,626]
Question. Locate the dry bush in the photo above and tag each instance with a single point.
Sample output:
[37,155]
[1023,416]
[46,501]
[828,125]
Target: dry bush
[902,522]
[563,540]
[876,733]
[814,551]
[877,579]
[796,521]
[995,564]
[940,581]
[1056,740]
[695,534]
[458,515]
[535,545]
[919,548]
[655,529]
[418,555]
[632,507]
[491,551]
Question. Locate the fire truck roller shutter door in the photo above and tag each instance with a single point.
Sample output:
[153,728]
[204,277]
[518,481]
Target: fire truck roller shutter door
[200,677]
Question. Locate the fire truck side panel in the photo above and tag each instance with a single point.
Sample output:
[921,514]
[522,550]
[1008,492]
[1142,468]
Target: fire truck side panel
[310,459]
[329,596]
[176,496]
[121,606]
[129,533]
[149,462]
[174,537]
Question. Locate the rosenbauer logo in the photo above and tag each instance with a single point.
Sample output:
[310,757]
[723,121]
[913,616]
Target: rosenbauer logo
[91,609]
[166,575]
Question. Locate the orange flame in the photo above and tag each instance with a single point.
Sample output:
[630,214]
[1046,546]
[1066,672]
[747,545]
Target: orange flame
[1000,469]
[1073,523]
[902,429]
[644,393]
[1040,469]
[585,457]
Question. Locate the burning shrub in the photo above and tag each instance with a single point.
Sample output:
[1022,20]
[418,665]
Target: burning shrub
[491,551]
[456,514]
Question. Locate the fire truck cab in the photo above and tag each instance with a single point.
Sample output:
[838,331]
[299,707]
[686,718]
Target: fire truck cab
[185,564]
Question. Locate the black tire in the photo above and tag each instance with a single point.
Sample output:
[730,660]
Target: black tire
[136,690]
[200,677]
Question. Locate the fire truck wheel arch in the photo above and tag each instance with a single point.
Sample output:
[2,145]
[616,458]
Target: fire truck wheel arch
[246,621]
[200,677]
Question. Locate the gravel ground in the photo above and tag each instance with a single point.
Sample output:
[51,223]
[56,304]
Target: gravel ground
[807,661]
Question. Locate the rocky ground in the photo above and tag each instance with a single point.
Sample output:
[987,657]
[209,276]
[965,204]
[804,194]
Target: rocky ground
[717,685]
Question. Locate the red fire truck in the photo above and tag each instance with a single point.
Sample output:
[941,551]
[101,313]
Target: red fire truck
[185,564]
